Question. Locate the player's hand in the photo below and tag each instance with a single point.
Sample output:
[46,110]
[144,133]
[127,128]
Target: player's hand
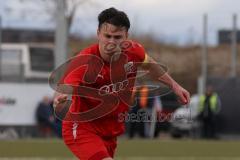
[59,98]
[183,94]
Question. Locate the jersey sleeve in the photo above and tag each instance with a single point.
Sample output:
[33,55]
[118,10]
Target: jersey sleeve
[84,68]
[139,52]
[74,76]
[75,71]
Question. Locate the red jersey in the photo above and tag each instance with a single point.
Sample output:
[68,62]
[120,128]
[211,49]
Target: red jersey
[107,79]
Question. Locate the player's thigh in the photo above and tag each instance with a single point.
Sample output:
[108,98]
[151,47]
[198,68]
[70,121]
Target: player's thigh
[89,149]
[86,145]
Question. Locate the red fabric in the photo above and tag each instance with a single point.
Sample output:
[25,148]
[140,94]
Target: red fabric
[86,145]
[99,156]
[97,137]
[107,126]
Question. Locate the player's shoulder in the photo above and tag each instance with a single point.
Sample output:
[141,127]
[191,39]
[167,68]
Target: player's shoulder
[137,50]
[92,49]
[136,45]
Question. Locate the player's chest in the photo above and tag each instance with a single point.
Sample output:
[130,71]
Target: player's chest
[110,74]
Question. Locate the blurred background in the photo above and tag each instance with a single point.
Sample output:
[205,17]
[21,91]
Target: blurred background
[197,41]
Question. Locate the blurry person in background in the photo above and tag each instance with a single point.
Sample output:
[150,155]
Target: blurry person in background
[143,103]
[45,117]
[209,107]
[169,103]
[57,123]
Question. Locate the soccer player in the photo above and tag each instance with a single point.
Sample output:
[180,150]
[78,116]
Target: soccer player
[111,71]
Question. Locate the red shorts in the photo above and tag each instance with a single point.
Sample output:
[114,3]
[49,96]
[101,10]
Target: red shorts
[87,145]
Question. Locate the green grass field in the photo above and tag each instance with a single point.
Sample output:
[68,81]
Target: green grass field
[51,149]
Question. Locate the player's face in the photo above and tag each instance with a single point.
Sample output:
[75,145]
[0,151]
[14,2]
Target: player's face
[108,37]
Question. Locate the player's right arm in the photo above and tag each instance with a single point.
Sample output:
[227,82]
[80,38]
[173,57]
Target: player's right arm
[72,77]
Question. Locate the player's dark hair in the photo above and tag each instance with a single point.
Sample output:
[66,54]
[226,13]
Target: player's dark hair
[114,17]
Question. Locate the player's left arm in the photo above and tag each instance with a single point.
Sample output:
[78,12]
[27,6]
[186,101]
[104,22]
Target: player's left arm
[162,75]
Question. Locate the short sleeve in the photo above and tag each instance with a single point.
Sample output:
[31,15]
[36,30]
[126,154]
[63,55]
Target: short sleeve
[139,52]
